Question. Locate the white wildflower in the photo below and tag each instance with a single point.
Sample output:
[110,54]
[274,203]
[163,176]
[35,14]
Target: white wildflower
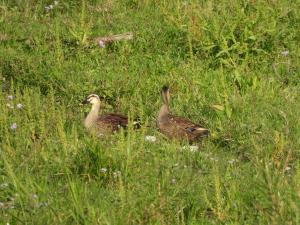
[173,181]
[285,53]
[103,170]
[19,106]
[56,2]
[13,126]
[116,174]
[150,138]
[10,97]
[34,196]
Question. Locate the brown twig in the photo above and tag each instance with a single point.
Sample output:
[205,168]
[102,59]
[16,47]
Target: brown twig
[102,41]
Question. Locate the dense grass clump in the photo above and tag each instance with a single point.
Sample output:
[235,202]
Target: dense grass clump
[231,65]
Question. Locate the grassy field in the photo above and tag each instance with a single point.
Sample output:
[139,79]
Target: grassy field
[231,65]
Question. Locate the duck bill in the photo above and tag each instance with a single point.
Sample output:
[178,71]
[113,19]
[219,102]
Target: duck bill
[84,102]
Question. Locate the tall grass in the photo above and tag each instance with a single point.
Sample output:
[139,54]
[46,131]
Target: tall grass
[232,66]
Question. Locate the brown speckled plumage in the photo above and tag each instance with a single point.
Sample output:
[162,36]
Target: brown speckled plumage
[102,125]
[177,127]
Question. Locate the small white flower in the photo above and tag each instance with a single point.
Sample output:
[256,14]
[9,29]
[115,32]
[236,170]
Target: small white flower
[116,174]
[103,170]
[19,106]
[56,2]
[194,148]
[173,181]
[10,97]
[34,196]
[13,126]
[101,44]
[11,106]
[51,6]
[285,53]
[150,138]
[1,205]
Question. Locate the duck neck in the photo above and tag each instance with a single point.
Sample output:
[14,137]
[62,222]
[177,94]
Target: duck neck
[92,116]
[163,113]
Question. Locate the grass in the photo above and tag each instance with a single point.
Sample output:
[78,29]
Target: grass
[227,68]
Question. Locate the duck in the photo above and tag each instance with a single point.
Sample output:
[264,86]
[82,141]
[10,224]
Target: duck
[176,127]
[105,124]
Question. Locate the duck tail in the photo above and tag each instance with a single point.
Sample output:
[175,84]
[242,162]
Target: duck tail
[203,132]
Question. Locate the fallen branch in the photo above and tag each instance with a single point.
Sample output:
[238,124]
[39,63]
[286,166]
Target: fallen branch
[102,41]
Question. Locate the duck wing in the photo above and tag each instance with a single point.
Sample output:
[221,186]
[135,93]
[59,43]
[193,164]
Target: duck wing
[114,119]
[189,127]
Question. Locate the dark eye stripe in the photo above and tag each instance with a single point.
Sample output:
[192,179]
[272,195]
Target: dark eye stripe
[90,97]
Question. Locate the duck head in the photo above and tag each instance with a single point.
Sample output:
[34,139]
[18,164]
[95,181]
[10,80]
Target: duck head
[92,99]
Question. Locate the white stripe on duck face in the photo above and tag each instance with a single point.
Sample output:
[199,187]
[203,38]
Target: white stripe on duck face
[91,96]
